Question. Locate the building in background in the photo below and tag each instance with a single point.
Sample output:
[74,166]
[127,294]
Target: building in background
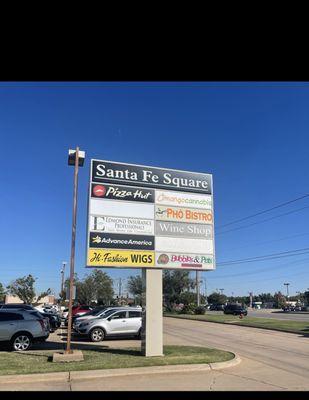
[44,300]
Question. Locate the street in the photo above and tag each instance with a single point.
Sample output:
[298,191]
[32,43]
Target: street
[270,361]
[274,314]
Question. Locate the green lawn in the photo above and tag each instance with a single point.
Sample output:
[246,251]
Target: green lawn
[38,361]
[257,322]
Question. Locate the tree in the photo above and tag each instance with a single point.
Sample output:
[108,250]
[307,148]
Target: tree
[174,284]
[135,287]
[24,289]
[306,296]
[2,292]
[280,300]
[103,287]
[95,287]
[216,298]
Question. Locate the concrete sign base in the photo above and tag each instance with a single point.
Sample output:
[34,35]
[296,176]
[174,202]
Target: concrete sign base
[152,320]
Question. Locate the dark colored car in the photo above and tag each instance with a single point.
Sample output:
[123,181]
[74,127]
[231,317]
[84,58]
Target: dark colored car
[216,307]
[54,320]
[15,306]
[235,309]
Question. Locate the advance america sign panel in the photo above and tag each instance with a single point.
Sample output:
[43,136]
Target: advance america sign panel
[149,217]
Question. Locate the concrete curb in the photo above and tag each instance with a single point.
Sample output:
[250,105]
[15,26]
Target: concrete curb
[104,373]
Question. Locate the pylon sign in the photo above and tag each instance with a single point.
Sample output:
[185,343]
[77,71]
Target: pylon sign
[149,217]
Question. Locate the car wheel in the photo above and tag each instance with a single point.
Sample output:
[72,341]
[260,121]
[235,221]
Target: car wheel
[139,335]
[21,342]
[97,335]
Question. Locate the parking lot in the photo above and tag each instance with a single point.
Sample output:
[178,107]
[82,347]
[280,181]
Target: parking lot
[57,341]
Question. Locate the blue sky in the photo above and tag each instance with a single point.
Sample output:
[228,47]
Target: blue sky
[253,138]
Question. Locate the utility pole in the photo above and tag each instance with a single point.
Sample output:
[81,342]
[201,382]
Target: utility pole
[206,291]
[198,288]
[76,158]
[221,291]
[250,294]
[120,288]
[287,290]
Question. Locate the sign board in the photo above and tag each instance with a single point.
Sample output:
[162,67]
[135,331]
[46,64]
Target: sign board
[149,217]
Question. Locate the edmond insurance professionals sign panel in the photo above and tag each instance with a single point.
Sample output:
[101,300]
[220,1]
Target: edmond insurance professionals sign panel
[149,217]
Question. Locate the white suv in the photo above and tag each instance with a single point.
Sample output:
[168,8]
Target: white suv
[21,328]
[125,322]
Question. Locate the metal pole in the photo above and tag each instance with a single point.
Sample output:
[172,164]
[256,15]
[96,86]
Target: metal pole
[198,288]
[68,349]
[62,280]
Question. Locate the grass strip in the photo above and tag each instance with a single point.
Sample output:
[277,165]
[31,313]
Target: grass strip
[38,361]
[300,327]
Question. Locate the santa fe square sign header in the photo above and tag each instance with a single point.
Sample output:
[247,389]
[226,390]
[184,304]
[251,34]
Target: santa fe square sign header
[148,217]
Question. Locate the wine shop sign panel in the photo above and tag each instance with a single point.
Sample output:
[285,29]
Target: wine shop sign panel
[149,217]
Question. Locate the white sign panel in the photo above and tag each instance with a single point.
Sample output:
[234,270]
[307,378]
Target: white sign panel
[183,245]
[184,260]
[123,209]
[167,198]
[137,226]
[149,217]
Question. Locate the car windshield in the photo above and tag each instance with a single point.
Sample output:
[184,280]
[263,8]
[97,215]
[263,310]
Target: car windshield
[109,312]
[95,312]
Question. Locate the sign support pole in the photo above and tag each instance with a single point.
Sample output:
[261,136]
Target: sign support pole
[152,320]
[68,348]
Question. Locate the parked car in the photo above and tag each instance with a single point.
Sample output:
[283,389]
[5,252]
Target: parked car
[81,309]
[21,328]
[216,307]
[53,319]
[96,313]
[15,306]
[125,322]
[235,309]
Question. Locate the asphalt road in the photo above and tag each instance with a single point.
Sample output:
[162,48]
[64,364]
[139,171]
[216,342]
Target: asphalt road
[270,361]
[293,316]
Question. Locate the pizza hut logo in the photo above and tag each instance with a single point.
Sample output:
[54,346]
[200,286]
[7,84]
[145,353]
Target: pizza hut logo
[99,191]
[163,259]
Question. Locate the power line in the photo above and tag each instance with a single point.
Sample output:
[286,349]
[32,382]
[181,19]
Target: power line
[264,211]
[268,241]
[266,257]
[261,270]
[264,220]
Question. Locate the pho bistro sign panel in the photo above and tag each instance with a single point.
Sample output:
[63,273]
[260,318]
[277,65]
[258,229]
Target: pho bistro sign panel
[149,217]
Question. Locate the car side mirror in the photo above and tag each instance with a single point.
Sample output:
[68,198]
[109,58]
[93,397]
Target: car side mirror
[109,319]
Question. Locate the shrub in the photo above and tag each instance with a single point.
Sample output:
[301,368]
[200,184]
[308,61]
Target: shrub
[200,310]
[188,309]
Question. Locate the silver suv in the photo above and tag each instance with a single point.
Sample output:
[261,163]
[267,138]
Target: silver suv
[125,322]
[92,315]
[21,328]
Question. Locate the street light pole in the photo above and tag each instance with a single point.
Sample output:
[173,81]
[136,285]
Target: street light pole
[62,273]
[287,289]
[76,158]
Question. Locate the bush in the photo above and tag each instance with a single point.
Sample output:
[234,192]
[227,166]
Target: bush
[188,309]
[200,310]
